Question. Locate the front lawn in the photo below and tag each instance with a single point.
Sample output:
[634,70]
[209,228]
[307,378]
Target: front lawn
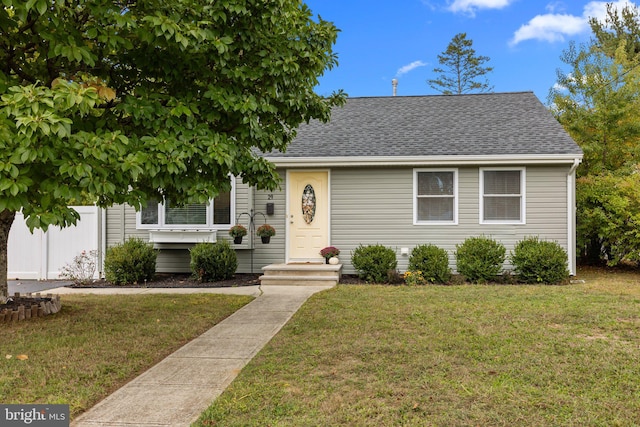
[449,356]
[95,344]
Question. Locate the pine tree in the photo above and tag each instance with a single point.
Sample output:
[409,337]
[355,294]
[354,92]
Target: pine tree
[462,70]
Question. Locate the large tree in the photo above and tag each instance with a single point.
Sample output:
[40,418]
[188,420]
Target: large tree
[461,70]
[597,101]
[126,100]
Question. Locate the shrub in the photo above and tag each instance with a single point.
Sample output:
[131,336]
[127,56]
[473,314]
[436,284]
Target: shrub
[374,262]
[480,259]
[133,261]
[432,262]
[213,261]
[82,269]
[537,261]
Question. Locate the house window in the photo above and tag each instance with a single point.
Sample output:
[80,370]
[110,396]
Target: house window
[215,214]
[502,196]
[435,196]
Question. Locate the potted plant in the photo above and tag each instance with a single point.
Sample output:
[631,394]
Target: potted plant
[330,252]
[237,232]
[265,231]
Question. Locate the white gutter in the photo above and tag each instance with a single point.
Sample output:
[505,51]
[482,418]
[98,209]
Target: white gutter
[571,216]
[423,160]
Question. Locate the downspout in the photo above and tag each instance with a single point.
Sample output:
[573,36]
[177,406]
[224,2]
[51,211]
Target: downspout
[571,216]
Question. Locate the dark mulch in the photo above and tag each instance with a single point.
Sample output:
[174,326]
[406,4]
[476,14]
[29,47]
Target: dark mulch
[165,280]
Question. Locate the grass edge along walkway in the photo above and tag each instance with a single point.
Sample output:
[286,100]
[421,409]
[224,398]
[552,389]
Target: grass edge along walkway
[95,344]
[449,355]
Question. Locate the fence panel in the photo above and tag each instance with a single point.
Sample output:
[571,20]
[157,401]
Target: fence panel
[42,255]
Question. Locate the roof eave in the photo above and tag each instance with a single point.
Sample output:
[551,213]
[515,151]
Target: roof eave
[523,159]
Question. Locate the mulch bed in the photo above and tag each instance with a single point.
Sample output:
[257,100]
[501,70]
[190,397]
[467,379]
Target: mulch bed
[165,280]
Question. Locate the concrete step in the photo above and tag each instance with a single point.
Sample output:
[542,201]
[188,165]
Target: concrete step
[298,280]
[302,270]
[301,274]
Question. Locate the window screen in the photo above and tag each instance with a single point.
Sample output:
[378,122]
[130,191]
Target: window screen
[502,195]
[222,208]
[149,214]
[435,196]
[192,214]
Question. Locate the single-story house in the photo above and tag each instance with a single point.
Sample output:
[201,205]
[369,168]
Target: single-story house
[396,171]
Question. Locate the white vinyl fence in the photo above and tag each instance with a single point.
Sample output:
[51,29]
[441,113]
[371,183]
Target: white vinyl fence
[42,255]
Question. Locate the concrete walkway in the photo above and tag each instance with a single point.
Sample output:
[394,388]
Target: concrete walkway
[179,388]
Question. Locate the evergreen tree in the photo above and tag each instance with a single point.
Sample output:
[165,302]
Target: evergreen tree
[461,71]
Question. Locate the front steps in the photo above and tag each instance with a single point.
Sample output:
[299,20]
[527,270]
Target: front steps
[301,274]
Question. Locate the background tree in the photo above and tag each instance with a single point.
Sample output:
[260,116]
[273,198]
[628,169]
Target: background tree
[128,100]
[463,71]
[597,103]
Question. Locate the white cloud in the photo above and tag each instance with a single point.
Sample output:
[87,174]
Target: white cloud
[555,7]
[598,9]
[409,67]
[552,27]
[470,6]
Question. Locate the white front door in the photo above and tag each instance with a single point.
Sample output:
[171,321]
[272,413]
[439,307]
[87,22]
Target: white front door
[308,215]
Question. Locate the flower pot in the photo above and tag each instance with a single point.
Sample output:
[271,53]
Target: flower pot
[334,260]
[237,240]
[265,239]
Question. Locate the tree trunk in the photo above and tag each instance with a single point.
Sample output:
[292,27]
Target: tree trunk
[6,220]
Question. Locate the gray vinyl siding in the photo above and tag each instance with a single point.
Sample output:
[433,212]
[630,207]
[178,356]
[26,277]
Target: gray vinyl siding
[264,254]
[371,206]
[121,225]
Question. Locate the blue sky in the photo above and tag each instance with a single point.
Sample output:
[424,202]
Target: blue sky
[382,40]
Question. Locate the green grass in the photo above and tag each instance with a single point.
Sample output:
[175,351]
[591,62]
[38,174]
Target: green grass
[95,344]
[449,356]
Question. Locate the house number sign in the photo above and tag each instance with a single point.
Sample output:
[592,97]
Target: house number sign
[308,204]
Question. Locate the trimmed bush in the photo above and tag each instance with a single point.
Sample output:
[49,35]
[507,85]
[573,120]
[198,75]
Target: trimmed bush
[432,262]
[537,261]
[133,261]
[480,259]
[213,261]
[374,263]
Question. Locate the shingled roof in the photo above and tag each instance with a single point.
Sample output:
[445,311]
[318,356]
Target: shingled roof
[497,124]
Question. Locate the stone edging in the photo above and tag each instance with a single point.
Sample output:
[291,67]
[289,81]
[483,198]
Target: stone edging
[18,308]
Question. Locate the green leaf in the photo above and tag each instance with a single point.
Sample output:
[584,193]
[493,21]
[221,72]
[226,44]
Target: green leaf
[14,189]
[42,6]
[29,5]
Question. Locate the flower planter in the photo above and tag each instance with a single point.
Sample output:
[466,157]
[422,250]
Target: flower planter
[237,232]
[265,239]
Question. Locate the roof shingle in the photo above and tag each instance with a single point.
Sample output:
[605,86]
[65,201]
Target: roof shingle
[435,125]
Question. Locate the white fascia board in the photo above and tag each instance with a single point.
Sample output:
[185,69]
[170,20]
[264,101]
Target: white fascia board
[424,160]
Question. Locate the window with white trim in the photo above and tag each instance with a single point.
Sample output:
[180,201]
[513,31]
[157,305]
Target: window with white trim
[217,214]
[435,199]
[502,196]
